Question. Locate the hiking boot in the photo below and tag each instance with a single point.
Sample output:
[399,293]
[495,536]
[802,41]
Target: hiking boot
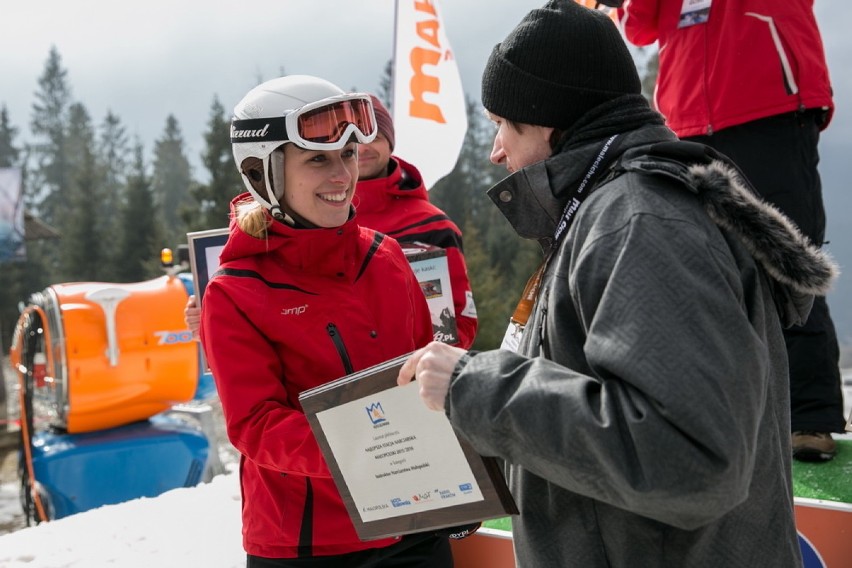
[813,446]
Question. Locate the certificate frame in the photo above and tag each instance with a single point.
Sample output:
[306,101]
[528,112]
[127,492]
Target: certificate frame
[496,499]
[204,246]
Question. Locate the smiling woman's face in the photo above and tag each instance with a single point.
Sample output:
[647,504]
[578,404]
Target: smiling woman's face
[319,184]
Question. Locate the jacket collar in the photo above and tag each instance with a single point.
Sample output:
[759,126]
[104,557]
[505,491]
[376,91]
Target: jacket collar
[533,198]
[377,194]
[319,251]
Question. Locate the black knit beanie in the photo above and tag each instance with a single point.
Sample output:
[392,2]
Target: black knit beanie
[561,61]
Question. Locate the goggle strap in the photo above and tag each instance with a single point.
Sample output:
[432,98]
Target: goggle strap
[275,206]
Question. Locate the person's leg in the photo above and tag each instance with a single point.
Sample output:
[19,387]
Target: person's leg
[341,561]
[414,551]
[779,157]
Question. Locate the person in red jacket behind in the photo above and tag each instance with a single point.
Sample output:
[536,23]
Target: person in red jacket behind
[293,306]
[749,78]
[390,198]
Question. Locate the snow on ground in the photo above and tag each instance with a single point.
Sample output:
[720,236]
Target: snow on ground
[198,526]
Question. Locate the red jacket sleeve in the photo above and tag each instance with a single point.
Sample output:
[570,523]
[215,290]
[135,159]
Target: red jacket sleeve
[638,19]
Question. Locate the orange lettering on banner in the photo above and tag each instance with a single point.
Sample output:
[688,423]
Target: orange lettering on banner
[422,83]
[428,30]
[425,6]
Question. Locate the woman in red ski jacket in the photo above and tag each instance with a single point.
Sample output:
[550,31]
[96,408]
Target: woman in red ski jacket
[304,295]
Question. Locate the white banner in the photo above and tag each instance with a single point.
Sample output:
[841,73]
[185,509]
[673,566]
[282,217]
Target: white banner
[11,216]
[429,111]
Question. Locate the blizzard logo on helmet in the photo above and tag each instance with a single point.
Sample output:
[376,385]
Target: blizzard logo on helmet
[247,133]
[258,129]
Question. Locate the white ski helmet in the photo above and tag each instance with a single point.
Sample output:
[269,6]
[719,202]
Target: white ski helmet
[310,112]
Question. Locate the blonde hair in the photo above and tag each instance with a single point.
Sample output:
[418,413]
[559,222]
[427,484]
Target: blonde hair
[252,218]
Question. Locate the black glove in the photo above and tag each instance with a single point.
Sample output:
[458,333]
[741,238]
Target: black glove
[459,532]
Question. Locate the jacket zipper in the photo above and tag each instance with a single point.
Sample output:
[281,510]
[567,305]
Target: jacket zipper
[334,334]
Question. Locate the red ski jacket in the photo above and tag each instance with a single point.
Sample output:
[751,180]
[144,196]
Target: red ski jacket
[283,315]
[398,206]
[751,59]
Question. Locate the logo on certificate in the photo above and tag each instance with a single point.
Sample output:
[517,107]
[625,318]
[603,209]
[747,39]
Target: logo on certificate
[376,414]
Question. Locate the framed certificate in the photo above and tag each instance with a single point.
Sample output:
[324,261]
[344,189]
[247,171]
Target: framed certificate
[399,466]
[204,250]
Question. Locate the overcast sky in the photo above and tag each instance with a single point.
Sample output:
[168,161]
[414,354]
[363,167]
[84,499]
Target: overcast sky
[146,60]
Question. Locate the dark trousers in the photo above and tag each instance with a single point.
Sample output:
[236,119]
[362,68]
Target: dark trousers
[779,157]
[413,551]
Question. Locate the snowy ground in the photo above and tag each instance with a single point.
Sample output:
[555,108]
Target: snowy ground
[182,528]
[198,526]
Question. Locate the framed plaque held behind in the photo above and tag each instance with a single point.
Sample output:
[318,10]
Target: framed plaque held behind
[399,466]
[204,250]
[430,266]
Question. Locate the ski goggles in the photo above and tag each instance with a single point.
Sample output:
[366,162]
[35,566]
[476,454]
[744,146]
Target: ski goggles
[327,124]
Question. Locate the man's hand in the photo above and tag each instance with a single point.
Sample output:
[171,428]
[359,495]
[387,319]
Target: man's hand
[192,316]
[432,366]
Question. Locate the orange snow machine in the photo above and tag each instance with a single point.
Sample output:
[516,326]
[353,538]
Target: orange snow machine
[104,355]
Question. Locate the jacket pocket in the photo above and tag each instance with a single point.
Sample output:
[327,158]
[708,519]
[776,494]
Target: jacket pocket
[790,85]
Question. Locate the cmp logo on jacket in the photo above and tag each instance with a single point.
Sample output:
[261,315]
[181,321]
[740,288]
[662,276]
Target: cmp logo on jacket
[295,311]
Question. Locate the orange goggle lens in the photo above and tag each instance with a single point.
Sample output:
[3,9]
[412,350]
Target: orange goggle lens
[327,124]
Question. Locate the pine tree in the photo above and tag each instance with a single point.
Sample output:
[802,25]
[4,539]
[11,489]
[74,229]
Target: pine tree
[9,154]
[111,160]
[385,90]
[49,126]
[214,197]
[171,182]
[139,238]
[80,223]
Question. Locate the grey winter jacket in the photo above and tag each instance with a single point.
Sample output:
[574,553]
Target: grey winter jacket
[645,421]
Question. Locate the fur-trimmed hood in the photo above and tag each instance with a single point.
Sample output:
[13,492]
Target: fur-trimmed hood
[773,239]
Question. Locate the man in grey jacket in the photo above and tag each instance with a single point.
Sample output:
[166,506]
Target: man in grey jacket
[642,410]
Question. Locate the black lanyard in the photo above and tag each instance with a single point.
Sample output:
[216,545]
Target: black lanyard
[579,194]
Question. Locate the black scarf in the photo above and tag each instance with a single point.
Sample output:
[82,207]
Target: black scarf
[616,116]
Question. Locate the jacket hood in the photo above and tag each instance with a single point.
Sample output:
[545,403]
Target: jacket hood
[403,181]
[320,250]
[771,237]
